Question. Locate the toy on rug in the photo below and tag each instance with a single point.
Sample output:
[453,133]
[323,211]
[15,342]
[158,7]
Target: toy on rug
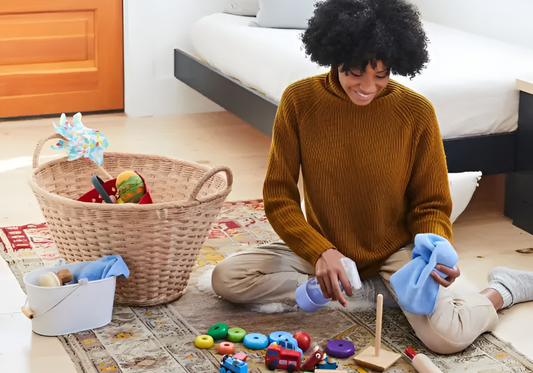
[373,356]
[278,357]
[283,349]
[130,187]
[234,364]
[51,279]
[317,355]
[204,341]
[421,362]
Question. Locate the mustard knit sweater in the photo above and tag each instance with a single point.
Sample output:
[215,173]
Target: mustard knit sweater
[374,176]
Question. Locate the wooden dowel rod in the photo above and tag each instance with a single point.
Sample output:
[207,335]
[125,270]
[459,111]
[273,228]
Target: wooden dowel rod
[379,316]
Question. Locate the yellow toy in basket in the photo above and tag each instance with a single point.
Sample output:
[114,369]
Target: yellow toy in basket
[130,187]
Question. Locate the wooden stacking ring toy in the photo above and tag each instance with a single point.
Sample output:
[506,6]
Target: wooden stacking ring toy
[236,335]
[256,341]
[204,341]
[226,348]
[218,331]
[340,349]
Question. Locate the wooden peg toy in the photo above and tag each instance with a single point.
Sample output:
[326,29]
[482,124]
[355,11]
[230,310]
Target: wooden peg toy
[374,356]
[51,279]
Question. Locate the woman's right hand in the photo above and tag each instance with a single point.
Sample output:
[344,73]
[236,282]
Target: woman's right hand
[329,271]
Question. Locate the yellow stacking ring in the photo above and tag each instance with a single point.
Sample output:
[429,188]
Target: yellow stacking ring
[204,341]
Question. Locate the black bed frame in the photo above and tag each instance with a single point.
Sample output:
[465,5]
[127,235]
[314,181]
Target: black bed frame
[508,153]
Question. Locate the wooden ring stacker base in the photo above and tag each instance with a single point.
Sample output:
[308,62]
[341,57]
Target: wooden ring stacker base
[374,356]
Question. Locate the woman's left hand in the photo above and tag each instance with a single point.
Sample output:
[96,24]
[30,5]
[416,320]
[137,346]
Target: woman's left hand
[451,275]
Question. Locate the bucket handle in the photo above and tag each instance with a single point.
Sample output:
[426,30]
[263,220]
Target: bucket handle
[26,310]
[39,147]
[209,174]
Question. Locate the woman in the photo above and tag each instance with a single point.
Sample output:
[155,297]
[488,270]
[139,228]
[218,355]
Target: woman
[374,175]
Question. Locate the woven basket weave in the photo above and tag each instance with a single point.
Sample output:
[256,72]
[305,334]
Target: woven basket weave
[159,242]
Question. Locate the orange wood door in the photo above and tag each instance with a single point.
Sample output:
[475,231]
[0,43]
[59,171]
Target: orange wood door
[60,56]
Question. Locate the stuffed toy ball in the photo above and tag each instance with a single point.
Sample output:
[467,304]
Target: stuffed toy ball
[130,187]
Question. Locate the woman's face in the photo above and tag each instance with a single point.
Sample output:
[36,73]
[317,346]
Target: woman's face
[363,87]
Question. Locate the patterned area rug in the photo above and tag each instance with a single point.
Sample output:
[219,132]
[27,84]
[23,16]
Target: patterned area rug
[160,339]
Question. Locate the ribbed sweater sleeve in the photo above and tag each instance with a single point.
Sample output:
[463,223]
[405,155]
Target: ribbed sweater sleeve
[430,202]
[280,189]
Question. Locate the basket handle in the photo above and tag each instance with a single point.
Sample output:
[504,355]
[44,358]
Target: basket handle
[209,174]
[39,148]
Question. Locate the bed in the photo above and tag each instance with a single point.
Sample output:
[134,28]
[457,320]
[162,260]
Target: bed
[486,123]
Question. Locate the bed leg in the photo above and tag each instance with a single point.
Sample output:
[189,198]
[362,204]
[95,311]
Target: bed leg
[519,184]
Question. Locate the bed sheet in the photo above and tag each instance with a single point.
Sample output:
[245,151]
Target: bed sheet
[470,79]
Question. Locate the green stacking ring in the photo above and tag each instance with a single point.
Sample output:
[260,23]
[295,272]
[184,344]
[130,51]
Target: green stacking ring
[218,331]
[236,335]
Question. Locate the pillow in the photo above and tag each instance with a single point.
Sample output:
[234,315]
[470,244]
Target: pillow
[243,7]
[462,188]
[291,14]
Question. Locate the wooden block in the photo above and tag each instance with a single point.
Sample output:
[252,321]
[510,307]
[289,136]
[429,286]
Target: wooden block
[368,358]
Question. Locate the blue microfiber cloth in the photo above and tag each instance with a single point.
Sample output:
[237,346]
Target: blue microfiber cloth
[416,290]
[105,267]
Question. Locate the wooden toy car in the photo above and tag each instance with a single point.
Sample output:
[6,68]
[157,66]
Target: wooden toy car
[278,357]
[232,364]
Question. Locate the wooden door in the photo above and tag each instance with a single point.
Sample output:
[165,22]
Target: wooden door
[60,56]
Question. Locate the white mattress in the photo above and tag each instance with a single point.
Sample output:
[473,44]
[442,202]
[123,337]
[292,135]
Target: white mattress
[470,79]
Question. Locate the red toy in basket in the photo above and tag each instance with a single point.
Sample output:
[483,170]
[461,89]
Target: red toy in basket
[107,191]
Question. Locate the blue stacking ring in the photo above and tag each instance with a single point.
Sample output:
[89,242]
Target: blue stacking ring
[256,341]
[276,336]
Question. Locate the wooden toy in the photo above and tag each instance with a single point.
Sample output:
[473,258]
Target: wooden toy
[218,331]
[204,341]
[421,362]
[340,348]
[278,335]
[236,335]
[373,356]
[312,361]
[256,341]
[303,339]
[51,279]
[226,348]
[232,364]
[326,364]
[279,358]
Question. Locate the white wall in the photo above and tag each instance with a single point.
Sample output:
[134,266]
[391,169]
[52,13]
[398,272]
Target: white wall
[152,29]
[507,20]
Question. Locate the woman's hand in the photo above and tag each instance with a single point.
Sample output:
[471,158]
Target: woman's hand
[329,271]
[451,275]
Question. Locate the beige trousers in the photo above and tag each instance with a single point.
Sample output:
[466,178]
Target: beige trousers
[271,273]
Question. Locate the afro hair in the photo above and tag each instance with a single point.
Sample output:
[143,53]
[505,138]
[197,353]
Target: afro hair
[354,33]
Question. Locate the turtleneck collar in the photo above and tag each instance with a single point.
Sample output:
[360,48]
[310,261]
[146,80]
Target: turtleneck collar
[334,86]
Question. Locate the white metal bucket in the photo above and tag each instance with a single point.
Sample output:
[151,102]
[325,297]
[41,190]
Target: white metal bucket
[69,308]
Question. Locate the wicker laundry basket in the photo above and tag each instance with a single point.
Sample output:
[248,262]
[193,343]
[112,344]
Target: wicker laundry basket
[159,242]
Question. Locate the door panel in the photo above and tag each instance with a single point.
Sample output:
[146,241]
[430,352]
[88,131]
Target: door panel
[60,56]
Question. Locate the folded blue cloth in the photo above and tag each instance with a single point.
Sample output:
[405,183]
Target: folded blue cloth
[416,290]
[105,267]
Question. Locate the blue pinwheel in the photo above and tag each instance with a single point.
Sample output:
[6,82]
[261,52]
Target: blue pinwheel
[80,141]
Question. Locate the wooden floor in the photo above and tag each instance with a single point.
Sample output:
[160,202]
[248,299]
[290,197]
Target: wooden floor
[484,238]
